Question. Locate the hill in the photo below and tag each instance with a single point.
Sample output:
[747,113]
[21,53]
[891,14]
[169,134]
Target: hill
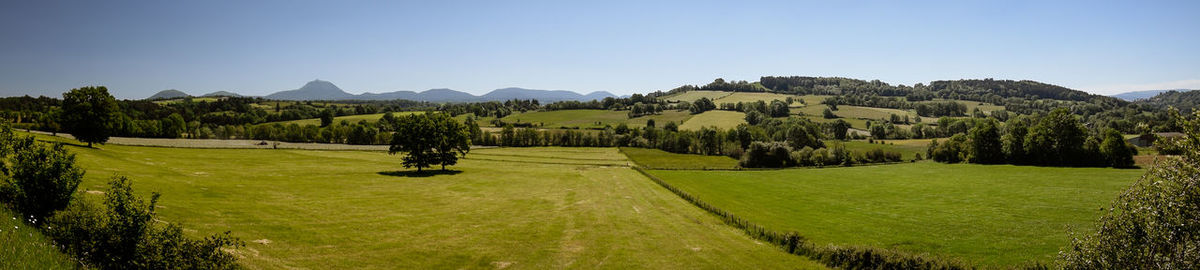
[314,90]
[1136,95]
[222,94]
[168,94]
[1184,101]
[541,95]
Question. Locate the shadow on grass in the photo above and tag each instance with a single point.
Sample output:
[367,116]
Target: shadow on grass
[425,173]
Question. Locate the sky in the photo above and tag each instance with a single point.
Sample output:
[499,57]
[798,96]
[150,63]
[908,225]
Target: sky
[137,48]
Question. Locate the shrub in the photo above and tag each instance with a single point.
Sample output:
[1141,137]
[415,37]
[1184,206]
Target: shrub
[767,155]
[41,178]
[125,235]
[1153,224]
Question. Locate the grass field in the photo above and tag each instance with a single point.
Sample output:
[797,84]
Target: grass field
[593,118]
[348,118]
[752,97]
[993,215]
[908,148]
[529,208]
[24,247]
[659,159]
[721,119]
[691,96]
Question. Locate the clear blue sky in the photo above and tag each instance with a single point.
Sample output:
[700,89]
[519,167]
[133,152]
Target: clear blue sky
[137,48]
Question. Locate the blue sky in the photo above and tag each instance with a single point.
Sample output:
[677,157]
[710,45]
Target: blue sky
[137,48]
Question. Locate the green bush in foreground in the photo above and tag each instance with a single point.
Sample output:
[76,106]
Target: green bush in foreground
[125,235]
[1155,224]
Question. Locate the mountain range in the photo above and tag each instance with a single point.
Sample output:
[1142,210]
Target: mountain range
[1136,95]
[324,90]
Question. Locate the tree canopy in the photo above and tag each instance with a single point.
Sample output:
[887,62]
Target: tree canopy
[89,113]
[429,139]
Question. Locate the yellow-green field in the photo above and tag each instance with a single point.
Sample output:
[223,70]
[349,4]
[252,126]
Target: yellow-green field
[348,118]
[721,119]
[989,215]
[524,208]
[690,96]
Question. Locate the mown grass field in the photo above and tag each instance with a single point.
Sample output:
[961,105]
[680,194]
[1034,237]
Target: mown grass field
[998,215]
[752,97]
[348,118]
[24,247]
[659,159]
[527,208]
[723,120]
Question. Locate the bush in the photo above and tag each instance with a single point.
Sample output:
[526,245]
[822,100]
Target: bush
[43,179]
[767,155]
[1153,224]
[125,235]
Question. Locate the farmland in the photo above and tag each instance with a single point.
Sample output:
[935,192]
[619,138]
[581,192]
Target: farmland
[721,119]
[659,159]
[593,118]
[347,118]
[518,207]
[991,215]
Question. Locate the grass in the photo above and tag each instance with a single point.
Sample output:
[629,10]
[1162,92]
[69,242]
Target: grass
[971,105]
[348,118]
[908,148]
[505,207]
[24,247]
[871,113]
[752,97]
[691,96]
[998,215]
[659,159]
[723,120]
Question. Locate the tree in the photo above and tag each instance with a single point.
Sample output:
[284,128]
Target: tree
[985,143]
[327,117]
[89,113]
[430,138]
[755,117]
[828,114]
[1117,153]
[840,129]
[702,105]
[1153,224]
[1057,139]
[779,109]
[173,126]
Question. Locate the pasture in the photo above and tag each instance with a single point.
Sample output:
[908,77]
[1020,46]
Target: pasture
[753,97]
[593,118]
[691,96]
[723,120]
[908,148]
[529,208]
[1000,215]
[659,159]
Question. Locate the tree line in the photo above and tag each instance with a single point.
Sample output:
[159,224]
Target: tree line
[1055,139]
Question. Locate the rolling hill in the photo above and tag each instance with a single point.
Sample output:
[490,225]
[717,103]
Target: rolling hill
[168,94]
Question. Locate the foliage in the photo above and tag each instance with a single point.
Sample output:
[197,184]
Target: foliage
[42,180]
[125,235]
[1154,223]
[89,114]
[430,139]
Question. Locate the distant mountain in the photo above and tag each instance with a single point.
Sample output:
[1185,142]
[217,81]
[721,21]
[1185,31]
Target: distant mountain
[314,90]
[168,94]
[541,95]
[323,90]
[1136,95]
[222,94]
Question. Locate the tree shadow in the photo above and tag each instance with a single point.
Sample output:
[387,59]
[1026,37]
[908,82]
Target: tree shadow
[425,173]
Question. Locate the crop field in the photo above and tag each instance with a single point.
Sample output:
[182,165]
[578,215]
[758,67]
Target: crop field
[999,215]
[529,208]
[721,119]
[348,118]
[854,122]
[24,246]
[690,96]
[659,159]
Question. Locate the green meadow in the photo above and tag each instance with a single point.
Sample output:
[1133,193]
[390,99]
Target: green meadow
[24,247]
[723,120]
[999,215]
[526,208]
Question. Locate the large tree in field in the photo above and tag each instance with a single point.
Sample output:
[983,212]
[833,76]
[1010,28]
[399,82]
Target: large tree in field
[428,139]
[89,113]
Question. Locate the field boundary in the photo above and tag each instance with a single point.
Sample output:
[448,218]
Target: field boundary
[850,257]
